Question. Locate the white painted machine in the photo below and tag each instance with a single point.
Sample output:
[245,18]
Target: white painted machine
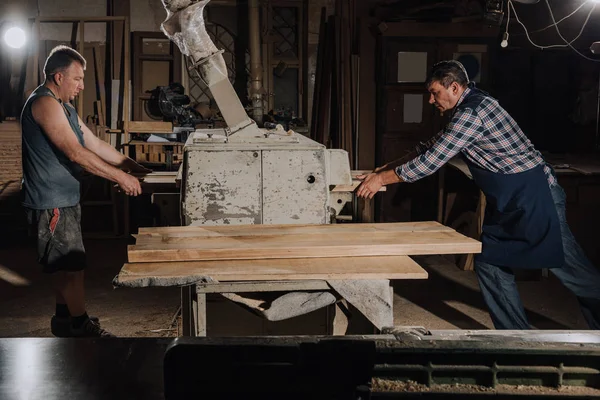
[243,174]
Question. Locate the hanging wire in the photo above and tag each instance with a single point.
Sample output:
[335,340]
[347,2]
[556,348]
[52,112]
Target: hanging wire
[564,18]
[555,25]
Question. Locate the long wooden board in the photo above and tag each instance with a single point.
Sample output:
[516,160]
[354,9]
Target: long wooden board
[303,246]
[177,273]
[261,230]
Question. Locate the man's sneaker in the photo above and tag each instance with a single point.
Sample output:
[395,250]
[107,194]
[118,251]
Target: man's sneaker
[90,328]
[61,326]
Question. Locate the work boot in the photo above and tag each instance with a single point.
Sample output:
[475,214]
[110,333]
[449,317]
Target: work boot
[90,328]
[61,326]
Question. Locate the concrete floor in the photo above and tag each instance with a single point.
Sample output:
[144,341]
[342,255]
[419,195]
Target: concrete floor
[449,299]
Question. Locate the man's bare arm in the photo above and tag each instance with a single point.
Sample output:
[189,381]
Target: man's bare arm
[49,114]
[108,153]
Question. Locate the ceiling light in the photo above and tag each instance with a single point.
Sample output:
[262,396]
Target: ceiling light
[15,37]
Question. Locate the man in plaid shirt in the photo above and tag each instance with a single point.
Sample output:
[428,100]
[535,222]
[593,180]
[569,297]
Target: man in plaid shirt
[525,224]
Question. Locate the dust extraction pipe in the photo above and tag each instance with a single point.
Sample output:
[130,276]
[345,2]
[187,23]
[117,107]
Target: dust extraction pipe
[185,27]
[256,73]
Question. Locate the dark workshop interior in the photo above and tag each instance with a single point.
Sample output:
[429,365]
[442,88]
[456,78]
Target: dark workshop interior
[249,266]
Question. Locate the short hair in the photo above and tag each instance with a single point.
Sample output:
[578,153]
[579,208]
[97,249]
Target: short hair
[60,58]
[447,72]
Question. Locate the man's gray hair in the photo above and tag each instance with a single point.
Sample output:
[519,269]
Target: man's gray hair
[60,58]
[447,72]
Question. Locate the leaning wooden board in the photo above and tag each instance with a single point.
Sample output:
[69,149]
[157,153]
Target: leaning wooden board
[247,242]
[176,273]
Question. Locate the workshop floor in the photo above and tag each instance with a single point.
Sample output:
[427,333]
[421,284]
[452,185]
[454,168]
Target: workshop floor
[449,299]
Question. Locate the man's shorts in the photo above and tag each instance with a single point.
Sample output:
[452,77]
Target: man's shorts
[59,240]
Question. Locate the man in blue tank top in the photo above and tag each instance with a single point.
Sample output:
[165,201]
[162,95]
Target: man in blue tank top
[57,147]
[525,224]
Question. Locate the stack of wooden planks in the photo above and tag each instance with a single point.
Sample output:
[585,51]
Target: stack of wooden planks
[162,256]
[156,152]
[10,157]
[11,174]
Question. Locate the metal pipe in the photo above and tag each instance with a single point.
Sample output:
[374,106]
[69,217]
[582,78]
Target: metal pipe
[598,116]
[256,72]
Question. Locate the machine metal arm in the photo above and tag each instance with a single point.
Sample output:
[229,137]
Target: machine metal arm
[185,27]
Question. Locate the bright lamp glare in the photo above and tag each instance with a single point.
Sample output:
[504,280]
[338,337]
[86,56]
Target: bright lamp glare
[15,37]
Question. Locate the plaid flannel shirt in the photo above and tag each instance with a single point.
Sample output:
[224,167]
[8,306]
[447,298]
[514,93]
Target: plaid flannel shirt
[487,135]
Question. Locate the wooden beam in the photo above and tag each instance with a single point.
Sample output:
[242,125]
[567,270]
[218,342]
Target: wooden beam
[101,87]
[79,19]
[74,31]
[81,49]
[126,74]
[36,53]
[176,273]
[367,126]
[432,29]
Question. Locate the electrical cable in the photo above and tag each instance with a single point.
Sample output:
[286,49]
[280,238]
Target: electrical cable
[504,42]
[562,19]
[565,40]
[554,45]
[555,24]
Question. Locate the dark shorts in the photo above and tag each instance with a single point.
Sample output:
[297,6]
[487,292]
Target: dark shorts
[59,240]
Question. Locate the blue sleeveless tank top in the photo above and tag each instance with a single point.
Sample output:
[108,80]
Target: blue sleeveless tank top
[50,179]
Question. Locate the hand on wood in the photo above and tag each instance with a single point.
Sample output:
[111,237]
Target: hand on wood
[130,185]
[371,183]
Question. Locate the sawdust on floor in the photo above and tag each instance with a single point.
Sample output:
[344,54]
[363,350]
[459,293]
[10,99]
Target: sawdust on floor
[395,386]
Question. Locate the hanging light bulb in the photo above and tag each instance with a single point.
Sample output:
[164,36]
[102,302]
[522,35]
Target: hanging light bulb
[504,42]
[15,37]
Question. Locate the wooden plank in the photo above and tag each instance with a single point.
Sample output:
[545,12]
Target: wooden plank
[434,29]
[352,187]
[586,169]
[150,127]
[162,180]
[179,176]
[100,85]
[36,52]
[460,165]
[171,274]
[126,78]
[81,49]
[262,286]
[303,246]
[260,230]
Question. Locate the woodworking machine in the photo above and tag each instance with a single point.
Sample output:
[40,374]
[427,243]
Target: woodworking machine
[243,174]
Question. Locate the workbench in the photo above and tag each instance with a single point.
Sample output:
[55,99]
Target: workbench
[194,304]
[230,279]
[350,263]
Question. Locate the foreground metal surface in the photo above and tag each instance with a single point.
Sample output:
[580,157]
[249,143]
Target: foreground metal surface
[43,368]
[410,363]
